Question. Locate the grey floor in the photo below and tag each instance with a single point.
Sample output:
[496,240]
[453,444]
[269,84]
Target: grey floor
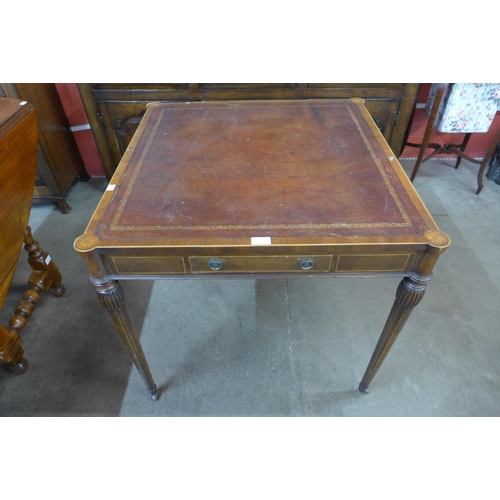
[270,347]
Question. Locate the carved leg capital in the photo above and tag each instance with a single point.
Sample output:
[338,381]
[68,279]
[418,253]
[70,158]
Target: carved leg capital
[110,294]
[411,290]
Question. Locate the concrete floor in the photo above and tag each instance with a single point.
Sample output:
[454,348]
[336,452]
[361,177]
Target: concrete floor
[270,347]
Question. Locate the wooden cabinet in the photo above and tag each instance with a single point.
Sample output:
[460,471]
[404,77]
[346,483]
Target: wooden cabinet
[18,164]
[18,146]
[115,110]
[59,161]
[18,150]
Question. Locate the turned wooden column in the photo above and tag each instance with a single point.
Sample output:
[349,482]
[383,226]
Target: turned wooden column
[45,276]
[487,156]
[111,296]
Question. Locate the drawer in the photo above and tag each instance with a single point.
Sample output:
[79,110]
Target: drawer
[261,264]
[373,263]
[147,265]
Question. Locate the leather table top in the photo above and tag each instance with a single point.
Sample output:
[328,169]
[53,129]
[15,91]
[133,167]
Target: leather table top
[313,170]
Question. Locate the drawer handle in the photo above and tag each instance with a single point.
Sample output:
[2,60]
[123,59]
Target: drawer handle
[306,263]
[215,264]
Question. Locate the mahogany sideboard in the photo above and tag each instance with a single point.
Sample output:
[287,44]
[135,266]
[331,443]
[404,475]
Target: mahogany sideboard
[18,157]
[114,110]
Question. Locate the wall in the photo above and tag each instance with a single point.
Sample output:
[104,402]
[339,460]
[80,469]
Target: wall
[73,106]
[77,118]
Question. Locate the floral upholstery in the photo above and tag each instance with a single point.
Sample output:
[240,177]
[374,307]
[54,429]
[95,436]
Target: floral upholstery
[465,107]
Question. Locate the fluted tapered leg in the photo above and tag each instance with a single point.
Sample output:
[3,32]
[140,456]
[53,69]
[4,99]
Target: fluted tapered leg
[111,296]
[409,293]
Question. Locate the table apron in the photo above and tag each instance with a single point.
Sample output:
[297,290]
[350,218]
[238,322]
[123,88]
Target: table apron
[166,266]
[251,276]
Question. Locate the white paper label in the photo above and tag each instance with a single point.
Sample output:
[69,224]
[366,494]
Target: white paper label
[260,240]
[111,187]
[79,128]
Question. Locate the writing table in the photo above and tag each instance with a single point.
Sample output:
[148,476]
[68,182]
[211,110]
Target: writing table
[260,189]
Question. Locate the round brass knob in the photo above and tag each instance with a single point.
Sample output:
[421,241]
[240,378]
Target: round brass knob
[306,263]
[215,264]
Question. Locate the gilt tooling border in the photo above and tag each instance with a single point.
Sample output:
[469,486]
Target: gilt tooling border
[115,221]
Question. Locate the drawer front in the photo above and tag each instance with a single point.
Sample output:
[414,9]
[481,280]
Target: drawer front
[373,263]
[147,265]
[261,264]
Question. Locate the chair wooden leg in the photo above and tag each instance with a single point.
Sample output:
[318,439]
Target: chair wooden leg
[428,130]
[462,148]
[485,161]
[493,173]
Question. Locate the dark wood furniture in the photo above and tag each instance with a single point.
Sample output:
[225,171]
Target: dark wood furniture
[18,162]
[493,173]
[59,161]
[114,110]
[260,189]
[456,149]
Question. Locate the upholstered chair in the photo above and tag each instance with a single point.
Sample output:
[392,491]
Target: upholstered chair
[462,108]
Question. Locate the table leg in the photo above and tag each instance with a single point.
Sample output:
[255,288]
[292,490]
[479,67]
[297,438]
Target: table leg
[486,159]
[409,293]
[45,276]
[111,296]
[11,352]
